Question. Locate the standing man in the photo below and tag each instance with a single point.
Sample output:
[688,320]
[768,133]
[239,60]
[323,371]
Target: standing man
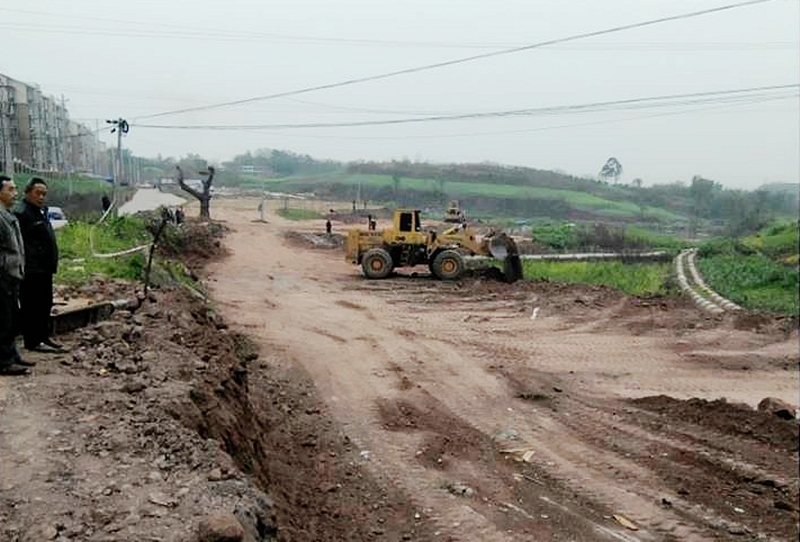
[41,263]
[12,271]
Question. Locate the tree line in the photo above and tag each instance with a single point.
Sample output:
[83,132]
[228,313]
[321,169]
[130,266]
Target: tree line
[706,203]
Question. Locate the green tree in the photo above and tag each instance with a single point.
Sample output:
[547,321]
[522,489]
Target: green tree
[701,192]
[611,169]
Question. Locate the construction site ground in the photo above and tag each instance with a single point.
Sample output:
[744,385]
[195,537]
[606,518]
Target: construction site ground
[315,405]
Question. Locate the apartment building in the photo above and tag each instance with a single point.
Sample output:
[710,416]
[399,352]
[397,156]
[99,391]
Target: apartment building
[36,132]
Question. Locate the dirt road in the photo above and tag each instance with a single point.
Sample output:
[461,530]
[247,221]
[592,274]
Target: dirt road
[498,426]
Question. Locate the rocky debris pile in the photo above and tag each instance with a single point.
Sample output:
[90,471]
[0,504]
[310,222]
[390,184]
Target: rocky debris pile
[98,289]
[118,461]
[776,407]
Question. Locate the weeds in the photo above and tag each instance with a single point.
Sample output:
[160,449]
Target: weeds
[79,243]
[640,279]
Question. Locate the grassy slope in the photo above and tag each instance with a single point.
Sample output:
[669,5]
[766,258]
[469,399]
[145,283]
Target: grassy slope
[758,272]
[455,189]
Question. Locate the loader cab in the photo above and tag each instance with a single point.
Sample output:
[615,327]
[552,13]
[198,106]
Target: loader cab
[407,221]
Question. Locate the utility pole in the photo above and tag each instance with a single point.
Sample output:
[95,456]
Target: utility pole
[97,168]
[62,141]
[120,126]
[5,130]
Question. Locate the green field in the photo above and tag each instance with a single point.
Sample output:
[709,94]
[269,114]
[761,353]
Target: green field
[641,279]
[457,189]
[752,281]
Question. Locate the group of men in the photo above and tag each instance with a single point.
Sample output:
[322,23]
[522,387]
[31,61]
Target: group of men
[28,261]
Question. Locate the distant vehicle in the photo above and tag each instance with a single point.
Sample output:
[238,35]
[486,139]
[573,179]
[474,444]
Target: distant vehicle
[57,217]
[454,213]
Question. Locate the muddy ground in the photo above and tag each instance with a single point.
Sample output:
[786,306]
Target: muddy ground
[300,402]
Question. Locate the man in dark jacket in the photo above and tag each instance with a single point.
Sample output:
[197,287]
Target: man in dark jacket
[41,263]
[12,269]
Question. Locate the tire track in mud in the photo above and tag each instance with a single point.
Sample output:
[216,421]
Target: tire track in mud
[595,450]
[370,355]
[561,451]
[486,399]
[396,459]
[371,358]
[617,437]
[644,365]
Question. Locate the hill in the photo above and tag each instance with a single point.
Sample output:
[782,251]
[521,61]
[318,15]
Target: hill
[524,194]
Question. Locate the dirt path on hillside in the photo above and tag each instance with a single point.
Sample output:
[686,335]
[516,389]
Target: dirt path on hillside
[498,426]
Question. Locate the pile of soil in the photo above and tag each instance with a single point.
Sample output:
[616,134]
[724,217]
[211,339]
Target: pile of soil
[729,418]
[753,487]
[309,240]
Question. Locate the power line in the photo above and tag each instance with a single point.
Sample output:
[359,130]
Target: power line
[461,60]
[702,108]
[729,96]
[224,35]
[754,100]
[206,33]
[211,35]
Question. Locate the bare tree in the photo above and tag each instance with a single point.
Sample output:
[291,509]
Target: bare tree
[204,196]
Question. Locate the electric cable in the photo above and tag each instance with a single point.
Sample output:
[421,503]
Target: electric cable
[472,58]
[538,129]
[633,103]
[146,29]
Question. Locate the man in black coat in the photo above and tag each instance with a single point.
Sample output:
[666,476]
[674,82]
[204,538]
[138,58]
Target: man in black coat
[41,263]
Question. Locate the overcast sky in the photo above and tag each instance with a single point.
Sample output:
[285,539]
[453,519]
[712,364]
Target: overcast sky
[111,58]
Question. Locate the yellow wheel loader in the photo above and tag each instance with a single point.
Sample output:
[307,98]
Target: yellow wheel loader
[448,254]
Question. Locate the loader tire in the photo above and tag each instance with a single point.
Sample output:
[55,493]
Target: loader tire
[448,265]
[377,264]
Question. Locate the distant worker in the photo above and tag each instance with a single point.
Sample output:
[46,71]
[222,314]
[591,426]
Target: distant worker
[371,223]
[106,203]
[167,215]
[179,216]
[262,207]
[328,227]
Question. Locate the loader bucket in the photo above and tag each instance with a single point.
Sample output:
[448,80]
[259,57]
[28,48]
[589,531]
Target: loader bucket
[499,246]
[504,248]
